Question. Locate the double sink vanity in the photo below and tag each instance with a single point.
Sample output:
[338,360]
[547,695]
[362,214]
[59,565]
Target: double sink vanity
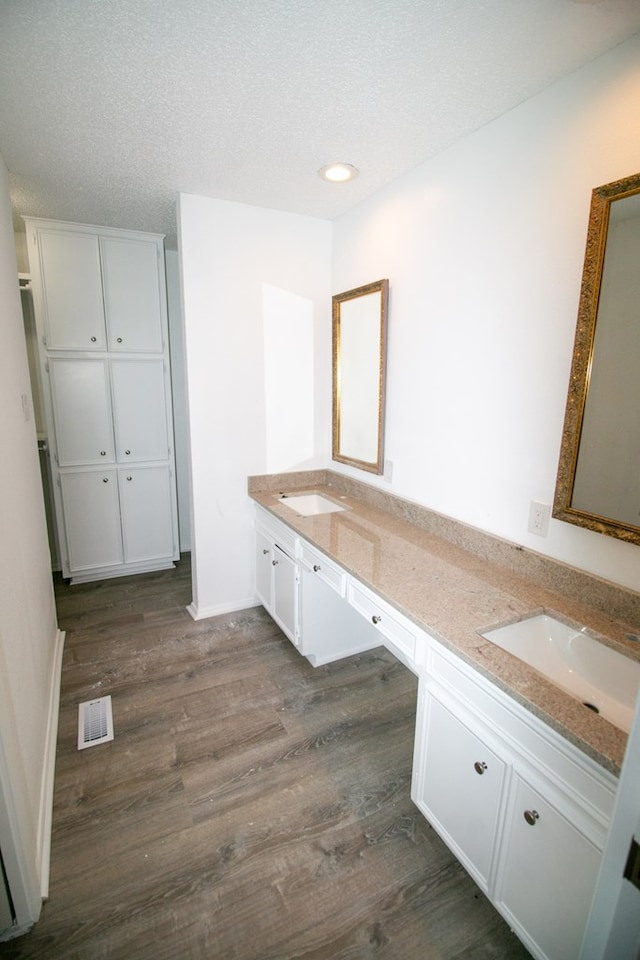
[527,678]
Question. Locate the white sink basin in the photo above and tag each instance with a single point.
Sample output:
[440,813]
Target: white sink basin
[601,678]
[310,504]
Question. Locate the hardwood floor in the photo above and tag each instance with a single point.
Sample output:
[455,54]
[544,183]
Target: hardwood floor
[250,807]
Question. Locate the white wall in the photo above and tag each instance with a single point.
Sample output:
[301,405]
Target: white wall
[28,629]
[179,397]
[248,273]
[483,247]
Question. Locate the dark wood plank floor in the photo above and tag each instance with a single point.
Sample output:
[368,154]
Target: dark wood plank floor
[250,807]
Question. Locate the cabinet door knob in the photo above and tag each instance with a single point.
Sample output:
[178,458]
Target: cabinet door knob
[127,452]
[129,478]
[265,551]
[93,339]
[531,816]
[103,453]
[375,618]
[316,567]
[480,767]
[274,563]
[105,479]
[118,339]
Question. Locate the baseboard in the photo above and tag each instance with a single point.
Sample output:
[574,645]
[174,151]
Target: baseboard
[123,570]
[16,931]
[203,613]
[48,772]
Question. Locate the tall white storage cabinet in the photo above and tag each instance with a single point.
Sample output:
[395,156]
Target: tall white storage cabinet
[100,304]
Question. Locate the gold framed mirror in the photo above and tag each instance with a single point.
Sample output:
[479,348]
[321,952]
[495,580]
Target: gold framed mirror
[598,483]
[359,375]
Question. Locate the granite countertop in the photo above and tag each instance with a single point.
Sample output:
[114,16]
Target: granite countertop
[452,591]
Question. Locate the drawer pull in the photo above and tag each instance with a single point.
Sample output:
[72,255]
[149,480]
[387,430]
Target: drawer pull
[316,567]
[93,339]
[274,563]
[480,767]
[531,816]
[376,618]
[103,453]
[265,551]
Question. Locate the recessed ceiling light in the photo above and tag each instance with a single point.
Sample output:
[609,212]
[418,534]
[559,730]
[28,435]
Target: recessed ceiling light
[338,172]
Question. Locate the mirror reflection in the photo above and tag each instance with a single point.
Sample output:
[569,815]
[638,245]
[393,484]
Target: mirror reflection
[359,348]
[599,472]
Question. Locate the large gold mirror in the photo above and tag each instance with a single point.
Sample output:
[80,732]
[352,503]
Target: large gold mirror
[359,373]
[598,484]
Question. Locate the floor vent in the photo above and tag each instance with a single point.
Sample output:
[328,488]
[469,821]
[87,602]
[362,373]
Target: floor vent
[95,722]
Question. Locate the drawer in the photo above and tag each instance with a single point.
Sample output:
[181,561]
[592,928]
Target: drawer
[399,635]
[325,569]
[557,760]
[277,532]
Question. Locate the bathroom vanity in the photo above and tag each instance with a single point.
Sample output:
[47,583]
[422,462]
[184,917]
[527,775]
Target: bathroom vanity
[517,777]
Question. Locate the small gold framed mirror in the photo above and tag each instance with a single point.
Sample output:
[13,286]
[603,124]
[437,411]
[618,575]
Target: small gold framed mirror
[359,375]
[598,484]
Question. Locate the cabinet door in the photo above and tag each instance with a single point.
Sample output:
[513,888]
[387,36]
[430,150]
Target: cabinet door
[285,593]
[132,294]
[71,291]
[147,514]
[459,787]
[92,519]
[139,410]
[547,875]
[263,570]
[82,411]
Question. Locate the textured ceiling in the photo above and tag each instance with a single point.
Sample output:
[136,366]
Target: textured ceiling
[110,108]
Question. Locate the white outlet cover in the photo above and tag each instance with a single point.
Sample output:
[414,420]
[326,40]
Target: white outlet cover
[539,514]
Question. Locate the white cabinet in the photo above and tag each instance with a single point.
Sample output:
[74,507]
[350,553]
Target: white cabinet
[524,811]
[81,400]
[92,519]
[132,288]
[106,410]
[397,633]
[67,287]
[264,573]
[548,871]
[305,593]
[139,410]
[115,517]
[460,790]
[285,592]
[100,305]
[145,507]
[97,289]
[277,574]
[330,628]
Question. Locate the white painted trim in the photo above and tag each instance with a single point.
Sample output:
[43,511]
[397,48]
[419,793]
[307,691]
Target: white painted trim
[206,612]
[612,924]
[123,570]
[48,772]
[66,226]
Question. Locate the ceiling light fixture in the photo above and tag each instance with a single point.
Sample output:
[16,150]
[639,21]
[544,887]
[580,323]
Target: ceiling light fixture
[338,172]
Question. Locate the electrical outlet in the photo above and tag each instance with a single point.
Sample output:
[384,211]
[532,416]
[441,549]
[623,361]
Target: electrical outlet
[539,514]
